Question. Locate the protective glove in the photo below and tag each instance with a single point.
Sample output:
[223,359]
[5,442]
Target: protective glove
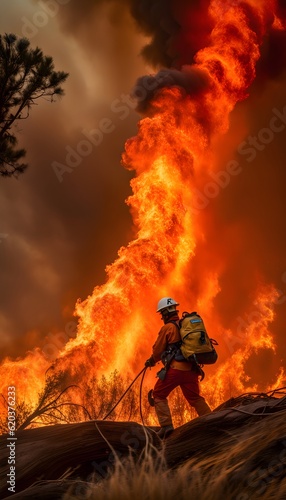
[150,362]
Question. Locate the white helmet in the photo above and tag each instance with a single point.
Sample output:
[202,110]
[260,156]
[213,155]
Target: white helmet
[165,303]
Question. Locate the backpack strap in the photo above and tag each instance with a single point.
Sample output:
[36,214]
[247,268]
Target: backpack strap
[177,324]
[178,355]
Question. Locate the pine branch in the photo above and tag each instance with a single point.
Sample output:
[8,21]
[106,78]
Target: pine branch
[26,76]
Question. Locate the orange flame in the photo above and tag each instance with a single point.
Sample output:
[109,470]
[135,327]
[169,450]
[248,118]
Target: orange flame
[170,154]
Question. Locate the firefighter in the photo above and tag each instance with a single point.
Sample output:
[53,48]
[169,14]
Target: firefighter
[179,372]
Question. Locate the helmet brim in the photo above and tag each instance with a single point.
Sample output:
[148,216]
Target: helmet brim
[163,308]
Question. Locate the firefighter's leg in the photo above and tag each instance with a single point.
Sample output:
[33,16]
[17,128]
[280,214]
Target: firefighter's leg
[163,412]
[191,391]
[161,391]
[201,406]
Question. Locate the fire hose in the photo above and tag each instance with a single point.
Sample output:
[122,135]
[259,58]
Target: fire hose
[143,371]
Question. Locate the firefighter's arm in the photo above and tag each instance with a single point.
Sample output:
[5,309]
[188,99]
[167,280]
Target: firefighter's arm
[160,345]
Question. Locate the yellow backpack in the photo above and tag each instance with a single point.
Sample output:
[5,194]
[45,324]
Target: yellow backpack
[196,343]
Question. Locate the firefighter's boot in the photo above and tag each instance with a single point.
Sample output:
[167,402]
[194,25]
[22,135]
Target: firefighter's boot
[164,417]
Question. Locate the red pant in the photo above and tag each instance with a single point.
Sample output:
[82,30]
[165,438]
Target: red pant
[188,381]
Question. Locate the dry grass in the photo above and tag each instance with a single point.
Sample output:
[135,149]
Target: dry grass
[237,453]
[248,462]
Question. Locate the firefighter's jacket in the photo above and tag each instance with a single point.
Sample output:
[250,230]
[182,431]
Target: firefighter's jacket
[169,334]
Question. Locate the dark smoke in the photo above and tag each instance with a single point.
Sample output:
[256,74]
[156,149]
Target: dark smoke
[156,19]
[273,61]
[190,80]
[178,29]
